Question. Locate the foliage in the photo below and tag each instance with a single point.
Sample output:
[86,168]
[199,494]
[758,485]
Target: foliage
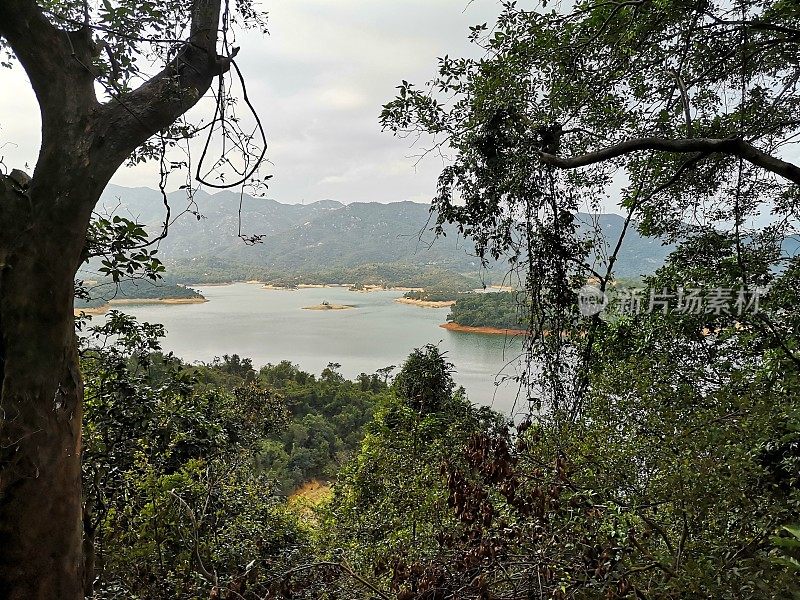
[389,504]
[121,244]
[119,249]
[327,417]
[564,102]
[789,542]
[173,505]
[186,468]
[663,454]
[674,479]
[501,310]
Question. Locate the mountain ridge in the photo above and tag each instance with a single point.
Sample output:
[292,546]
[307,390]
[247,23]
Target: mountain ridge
[321,236]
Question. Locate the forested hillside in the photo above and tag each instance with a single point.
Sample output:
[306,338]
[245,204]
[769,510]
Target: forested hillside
[294,238]
[189,472]
[328,239]
[212,453]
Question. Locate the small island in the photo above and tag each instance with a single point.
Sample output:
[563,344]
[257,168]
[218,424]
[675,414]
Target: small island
[329,306]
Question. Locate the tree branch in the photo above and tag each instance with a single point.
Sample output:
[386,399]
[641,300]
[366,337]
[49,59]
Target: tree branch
[158,102]
[731,146]
[341,566]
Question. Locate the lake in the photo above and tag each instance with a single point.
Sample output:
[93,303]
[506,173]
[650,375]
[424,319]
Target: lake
[269,326]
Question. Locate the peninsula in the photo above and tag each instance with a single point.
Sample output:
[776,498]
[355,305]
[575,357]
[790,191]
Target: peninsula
[124,293]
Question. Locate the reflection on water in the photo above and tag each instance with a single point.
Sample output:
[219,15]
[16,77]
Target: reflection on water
[270,325]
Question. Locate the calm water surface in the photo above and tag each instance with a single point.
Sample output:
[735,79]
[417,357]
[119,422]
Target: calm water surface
[270,326]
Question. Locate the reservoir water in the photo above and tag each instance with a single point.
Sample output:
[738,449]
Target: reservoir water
[269,326]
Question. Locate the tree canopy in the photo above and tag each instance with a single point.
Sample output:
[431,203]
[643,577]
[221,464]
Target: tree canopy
[678,113]
[681,114]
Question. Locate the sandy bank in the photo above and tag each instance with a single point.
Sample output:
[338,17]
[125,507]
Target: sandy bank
[381,288]
[124,301]
[482,330]
[426,303]
[93,310]
[328,307]
[194,285]
[351,287]
[101,310]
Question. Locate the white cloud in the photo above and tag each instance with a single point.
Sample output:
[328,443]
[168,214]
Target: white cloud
[20,124]
[342,98]
[318,82]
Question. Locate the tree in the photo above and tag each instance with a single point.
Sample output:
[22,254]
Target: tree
[390,502]
[683,112]
[664,453]
[67,48]
[684,464]
[426,380]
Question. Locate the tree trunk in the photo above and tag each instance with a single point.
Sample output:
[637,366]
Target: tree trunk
[42,235]
[40,409]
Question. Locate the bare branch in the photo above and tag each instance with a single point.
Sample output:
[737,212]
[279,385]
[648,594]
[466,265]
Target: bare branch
[731,146]
[684,100]
[343,567]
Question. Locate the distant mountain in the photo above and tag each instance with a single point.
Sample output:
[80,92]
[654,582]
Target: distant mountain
[323,236]
[638,255]
[294,237]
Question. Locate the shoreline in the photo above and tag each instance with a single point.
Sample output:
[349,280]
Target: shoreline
[381,288]
[124,301]
[426,303]
[104,308]
[482,330]
[348,286]
[225,284]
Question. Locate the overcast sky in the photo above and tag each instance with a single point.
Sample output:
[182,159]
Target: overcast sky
[318,82]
